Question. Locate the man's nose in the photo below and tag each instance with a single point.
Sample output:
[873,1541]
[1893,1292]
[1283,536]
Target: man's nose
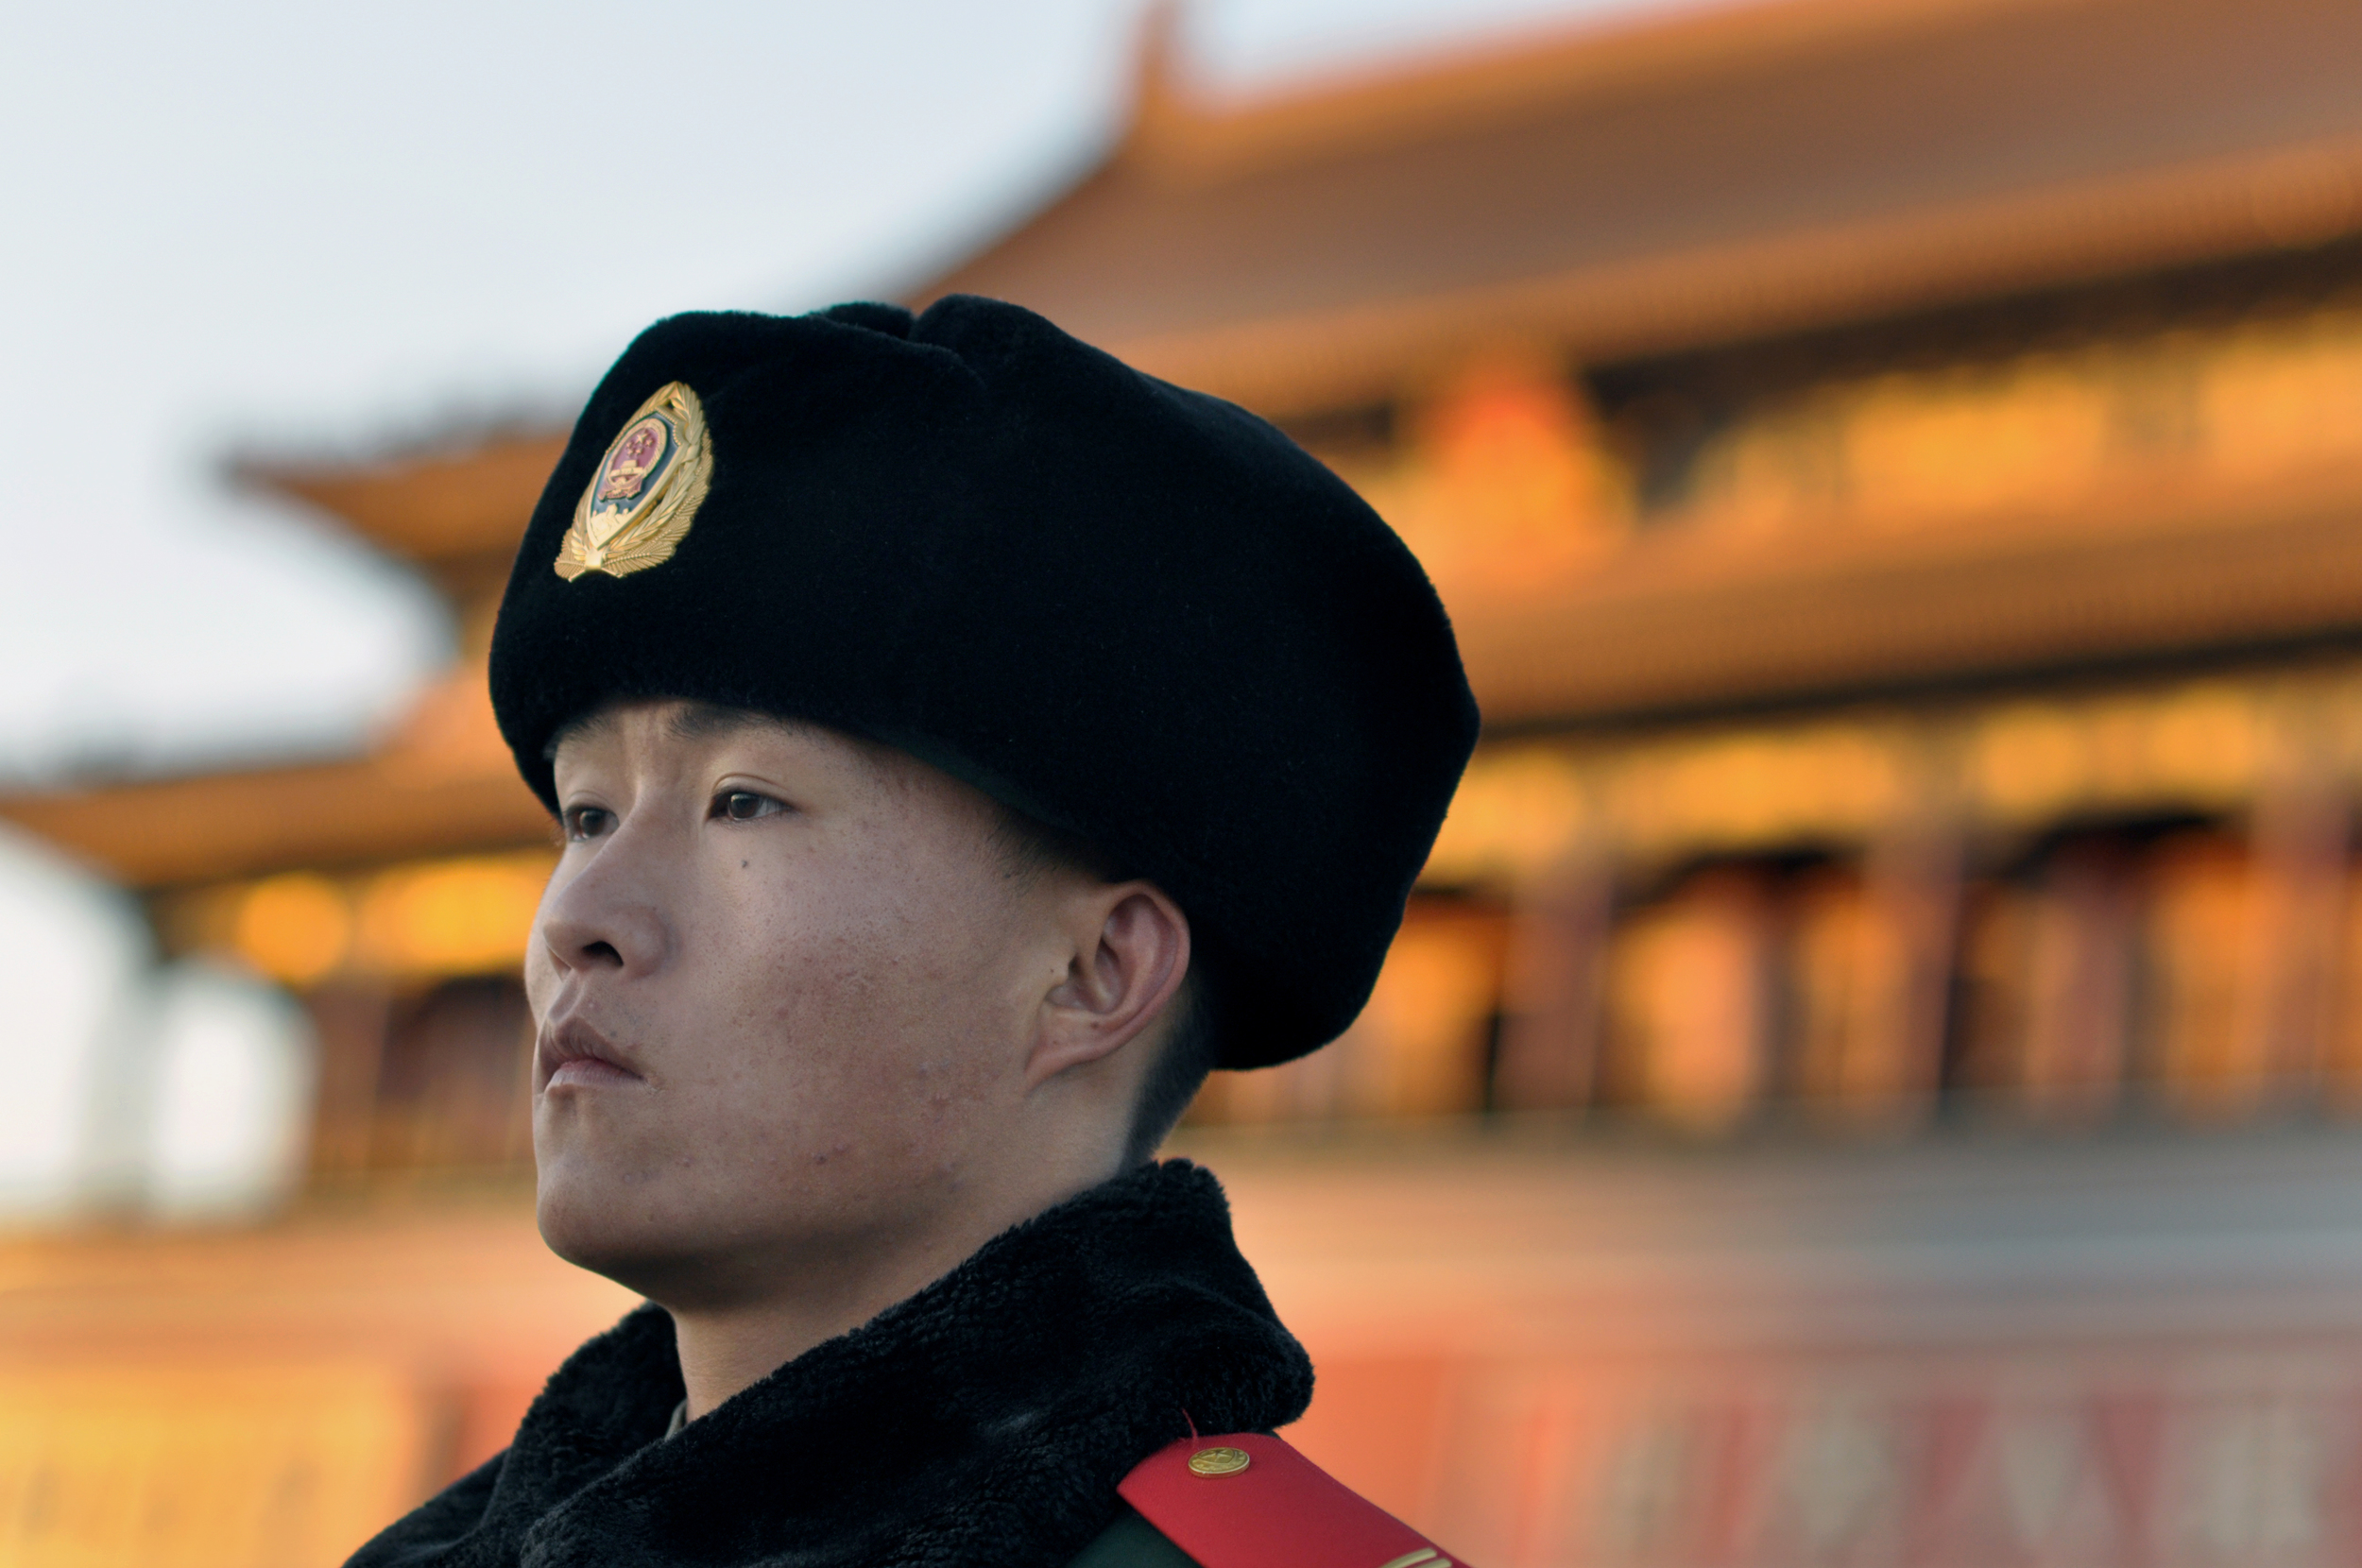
[605,917]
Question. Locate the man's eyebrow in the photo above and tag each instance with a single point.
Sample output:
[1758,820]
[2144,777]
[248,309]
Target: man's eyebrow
[576,729]
[706,721]
[689,721]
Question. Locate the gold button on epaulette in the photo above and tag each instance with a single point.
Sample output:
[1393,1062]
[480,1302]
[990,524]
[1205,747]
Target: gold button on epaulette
[1218,1462]
[1426,1556]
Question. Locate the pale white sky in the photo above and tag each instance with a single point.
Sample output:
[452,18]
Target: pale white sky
[263,224]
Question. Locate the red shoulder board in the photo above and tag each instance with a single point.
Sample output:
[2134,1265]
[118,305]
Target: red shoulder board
[1248,1501]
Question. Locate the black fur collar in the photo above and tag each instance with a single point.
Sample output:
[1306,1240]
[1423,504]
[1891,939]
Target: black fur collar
[982,1422]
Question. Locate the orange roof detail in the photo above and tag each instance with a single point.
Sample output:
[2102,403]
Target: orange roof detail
[1678,182]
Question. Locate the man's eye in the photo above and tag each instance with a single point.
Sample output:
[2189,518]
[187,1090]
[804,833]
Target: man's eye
[744,805]
[587,821]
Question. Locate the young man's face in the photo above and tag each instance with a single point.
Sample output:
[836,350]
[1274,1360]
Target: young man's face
[783,981]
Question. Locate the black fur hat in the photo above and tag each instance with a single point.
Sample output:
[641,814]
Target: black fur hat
[1136,613]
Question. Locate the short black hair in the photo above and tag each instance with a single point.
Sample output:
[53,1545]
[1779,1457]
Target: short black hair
[1192,1049]
[1192,1043]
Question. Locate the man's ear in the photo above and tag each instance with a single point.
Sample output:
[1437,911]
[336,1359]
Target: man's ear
[1132,948]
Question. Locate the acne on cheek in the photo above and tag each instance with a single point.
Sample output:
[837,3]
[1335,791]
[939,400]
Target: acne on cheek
[935,1082]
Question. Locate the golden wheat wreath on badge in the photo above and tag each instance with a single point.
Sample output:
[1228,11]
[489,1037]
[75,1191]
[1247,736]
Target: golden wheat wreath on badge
[644,493]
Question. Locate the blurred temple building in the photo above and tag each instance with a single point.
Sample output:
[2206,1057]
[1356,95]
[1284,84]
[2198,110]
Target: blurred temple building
[1873,1070]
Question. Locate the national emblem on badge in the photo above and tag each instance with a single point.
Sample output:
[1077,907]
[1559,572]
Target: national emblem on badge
[644,492]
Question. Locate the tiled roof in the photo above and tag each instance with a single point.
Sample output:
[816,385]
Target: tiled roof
[1684,182]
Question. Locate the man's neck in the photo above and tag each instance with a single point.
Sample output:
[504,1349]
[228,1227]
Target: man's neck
[731,1343]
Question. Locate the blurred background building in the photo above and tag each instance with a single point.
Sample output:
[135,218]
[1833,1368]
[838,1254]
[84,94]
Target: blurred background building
[1873,1070]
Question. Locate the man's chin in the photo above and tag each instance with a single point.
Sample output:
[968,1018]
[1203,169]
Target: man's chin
[603,1231]
[672,1254]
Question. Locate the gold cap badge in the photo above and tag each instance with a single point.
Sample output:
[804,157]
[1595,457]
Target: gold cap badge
[644,492]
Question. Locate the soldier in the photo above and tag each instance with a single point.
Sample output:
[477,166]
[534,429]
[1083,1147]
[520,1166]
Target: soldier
[962,743]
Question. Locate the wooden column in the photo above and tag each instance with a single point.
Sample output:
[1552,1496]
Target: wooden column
[2295,939]
[1552,988]
[1912,887]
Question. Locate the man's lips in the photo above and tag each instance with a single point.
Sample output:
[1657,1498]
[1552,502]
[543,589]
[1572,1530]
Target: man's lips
[571,1052]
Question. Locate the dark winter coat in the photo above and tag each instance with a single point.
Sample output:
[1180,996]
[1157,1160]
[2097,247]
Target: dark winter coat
[982,1422]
